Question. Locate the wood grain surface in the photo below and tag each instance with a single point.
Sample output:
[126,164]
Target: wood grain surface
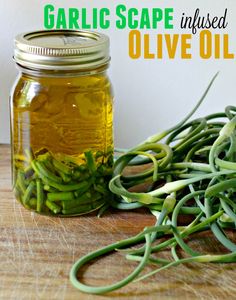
[37,252]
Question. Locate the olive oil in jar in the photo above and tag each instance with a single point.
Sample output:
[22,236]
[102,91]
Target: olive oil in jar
[61,116]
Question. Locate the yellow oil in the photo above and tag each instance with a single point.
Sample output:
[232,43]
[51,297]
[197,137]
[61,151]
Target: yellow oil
[63,114]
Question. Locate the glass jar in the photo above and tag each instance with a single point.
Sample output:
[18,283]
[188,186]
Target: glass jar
[61,122]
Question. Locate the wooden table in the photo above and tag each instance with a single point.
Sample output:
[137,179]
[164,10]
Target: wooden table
[37,252]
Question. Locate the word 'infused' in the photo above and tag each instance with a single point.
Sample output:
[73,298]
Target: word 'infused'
[203,22]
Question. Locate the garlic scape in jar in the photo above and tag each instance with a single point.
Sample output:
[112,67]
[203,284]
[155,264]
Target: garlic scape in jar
[61,122]
[63,184]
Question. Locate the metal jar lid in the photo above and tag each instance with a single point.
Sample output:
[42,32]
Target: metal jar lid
[62,50]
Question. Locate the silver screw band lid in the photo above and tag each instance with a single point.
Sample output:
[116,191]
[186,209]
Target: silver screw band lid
[62,50]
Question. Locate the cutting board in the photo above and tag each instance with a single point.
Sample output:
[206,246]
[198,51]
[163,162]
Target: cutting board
[37,252]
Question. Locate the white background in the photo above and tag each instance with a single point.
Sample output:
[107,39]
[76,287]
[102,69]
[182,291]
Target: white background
[151,95]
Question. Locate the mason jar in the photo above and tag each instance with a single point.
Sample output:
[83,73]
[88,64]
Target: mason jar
[62,122]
